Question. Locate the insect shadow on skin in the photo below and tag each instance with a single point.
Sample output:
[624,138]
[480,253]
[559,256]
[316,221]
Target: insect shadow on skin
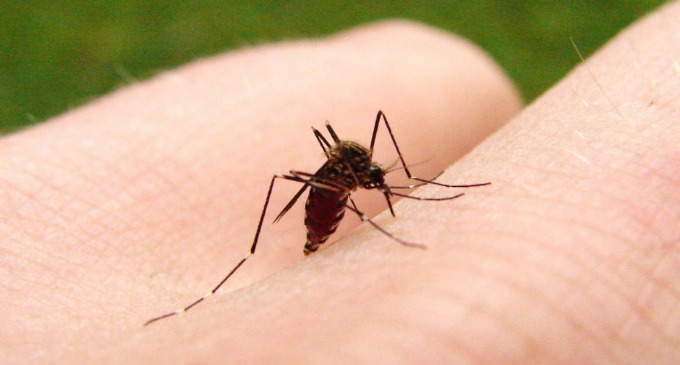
[349,166]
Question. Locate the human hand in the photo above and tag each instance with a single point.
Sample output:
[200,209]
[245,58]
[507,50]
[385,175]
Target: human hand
[137,204]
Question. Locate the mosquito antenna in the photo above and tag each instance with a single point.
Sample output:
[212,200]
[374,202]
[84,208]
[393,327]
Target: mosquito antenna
[391,165]
[391,168]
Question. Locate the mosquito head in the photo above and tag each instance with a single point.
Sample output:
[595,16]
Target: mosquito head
[375,177]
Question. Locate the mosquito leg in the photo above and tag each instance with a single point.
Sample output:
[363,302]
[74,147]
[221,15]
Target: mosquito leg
[375,131]
[332,132]
[322,140]
[448,185]
[365,218]
[324,144]
[240,263]
[414,185]
[427,199]
[408,186]
[317,182]
[206,296]
[381,115]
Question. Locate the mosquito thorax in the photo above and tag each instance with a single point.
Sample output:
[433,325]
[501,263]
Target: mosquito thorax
[356,155]
[350,163]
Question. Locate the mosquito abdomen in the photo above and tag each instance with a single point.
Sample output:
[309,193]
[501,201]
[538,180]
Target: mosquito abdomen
[323,212]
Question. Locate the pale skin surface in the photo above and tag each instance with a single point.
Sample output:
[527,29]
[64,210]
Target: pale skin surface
[139,203]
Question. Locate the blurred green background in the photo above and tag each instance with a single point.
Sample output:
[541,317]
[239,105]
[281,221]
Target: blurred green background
[58,55]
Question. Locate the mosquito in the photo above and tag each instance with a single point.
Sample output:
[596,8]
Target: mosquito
[349,166]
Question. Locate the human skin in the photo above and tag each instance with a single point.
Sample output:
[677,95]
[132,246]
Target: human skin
[140,202]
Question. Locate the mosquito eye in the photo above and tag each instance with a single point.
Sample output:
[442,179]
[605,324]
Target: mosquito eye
[375,173]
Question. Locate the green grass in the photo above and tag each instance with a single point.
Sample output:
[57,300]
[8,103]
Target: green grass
[58,55]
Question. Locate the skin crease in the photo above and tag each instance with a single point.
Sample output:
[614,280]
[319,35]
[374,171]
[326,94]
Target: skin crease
[138,203]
